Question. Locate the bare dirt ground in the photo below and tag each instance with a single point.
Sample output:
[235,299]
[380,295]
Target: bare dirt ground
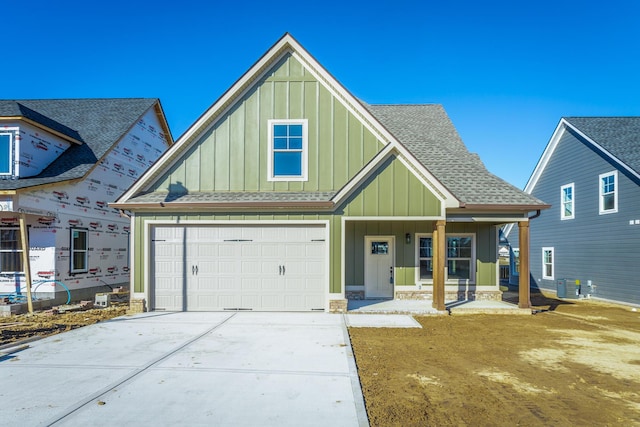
[571,364]
[14,329]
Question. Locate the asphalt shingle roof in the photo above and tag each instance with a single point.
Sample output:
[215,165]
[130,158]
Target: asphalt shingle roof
[236,197]
[97,123]
[427,132]
[620,136]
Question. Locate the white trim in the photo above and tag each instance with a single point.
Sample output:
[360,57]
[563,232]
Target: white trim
[546,155]
[391,218]
[601,209]
[553,264]
[573,201]
[305,150]
[150,224]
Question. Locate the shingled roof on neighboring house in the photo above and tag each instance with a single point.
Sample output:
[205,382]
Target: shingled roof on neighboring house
[620,136]
[427,132]
[96,124]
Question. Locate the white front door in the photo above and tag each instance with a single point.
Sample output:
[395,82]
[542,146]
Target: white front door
[378,267]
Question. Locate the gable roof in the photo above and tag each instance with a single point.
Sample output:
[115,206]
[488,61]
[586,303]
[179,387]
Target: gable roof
[429,134]
[95,125]
[423,135]
[618,138]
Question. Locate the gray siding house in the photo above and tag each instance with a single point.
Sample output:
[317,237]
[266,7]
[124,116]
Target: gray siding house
[590,174]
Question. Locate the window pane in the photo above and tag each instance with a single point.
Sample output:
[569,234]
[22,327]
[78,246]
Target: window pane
[287,163]
[568,209]
[295,143]
[608,184]
[5,153]
[280,143]
[295,130]
[459,247]
[608,202]
[426,269]
[10,239]
[10,261]
[548,270]
[279,130]
[79,261]
[425,247]
[459,269]
[79,240]
[379,248]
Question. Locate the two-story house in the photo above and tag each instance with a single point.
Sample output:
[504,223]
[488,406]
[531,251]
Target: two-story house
[590,174]
[62,161]
[289,193]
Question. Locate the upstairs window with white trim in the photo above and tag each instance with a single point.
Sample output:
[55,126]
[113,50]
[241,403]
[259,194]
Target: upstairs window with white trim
[567,203]
[608,192]
[79,250]
[288,154]
[547,263]
[10,250]
[6,154]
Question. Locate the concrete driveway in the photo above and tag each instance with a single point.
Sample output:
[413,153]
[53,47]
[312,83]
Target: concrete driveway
[192,369]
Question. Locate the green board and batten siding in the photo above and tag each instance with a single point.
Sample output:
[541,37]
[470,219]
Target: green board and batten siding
[232,155]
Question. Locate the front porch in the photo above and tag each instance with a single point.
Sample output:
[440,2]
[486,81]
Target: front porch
[425,307]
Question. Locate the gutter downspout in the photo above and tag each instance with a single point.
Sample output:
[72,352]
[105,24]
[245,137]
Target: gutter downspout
[536,215]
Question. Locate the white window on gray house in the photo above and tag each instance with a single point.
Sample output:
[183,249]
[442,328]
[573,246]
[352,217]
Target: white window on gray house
[567,202]
[608,192]
[288,156]
[79,250]
[6,154]
[547,263]
[10,250]
[515,261]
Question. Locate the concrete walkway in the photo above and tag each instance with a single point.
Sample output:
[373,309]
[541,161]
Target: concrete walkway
[424,307]
[195,369]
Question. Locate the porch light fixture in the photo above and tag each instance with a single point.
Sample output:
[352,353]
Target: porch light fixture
[407,237]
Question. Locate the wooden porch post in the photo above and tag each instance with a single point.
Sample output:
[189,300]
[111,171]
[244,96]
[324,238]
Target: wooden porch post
[25,259]
[524,293]
[439,252]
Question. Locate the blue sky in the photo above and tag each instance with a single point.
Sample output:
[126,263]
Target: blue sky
[505,71]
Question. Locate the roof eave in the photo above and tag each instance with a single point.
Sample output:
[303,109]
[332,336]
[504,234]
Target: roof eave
[504,208]
[42,127]
[171,206]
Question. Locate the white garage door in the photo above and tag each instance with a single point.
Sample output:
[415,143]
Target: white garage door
[274,268]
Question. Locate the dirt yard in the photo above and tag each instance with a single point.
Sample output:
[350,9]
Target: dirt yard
[570,364]
[42,323]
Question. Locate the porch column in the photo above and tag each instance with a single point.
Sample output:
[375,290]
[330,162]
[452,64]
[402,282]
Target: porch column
[524,293]
[439,251]
[24,240]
